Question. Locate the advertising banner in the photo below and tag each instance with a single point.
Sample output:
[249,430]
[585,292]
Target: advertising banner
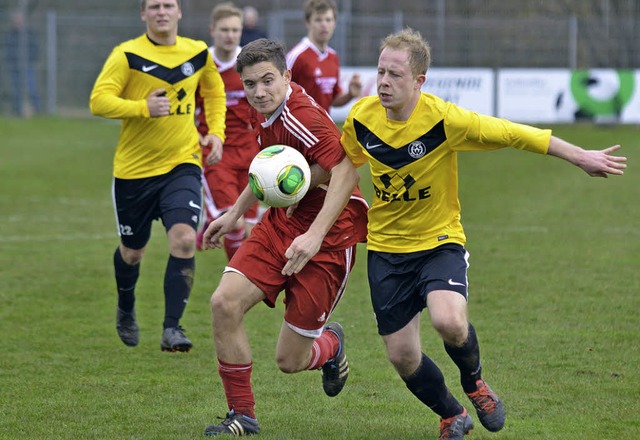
[564,96]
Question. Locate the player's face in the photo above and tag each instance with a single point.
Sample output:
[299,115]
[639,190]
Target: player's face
[320,27]
[265,86]
[398,89]
[226,34]
[161,17]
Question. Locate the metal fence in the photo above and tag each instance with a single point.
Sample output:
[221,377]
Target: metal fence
[73,47]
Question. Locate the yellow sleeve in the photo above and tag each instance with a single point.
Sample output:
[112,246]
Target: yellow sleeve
[105,97]
[467,130]
[215,100]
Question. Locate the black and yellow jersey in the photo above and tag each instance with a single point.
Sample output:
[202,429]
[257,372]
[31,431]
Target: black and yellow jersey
[154,146]
[414,167]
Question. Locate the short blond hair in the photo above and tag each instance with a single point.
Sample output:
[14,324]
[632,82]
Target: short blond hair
[225,10]
[143,4]
[411,41]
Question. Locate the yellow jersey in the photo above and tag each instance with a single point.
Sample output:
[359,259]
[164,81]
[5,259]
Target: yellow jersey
[414,167]
[154,146]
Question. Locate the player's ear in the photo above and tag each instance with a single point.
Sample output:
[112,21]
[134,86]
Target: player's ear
[420,80]
[287,76]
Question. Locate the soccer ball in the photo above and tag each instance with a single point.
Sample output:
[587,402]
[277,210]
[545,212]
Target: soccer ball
[279,176]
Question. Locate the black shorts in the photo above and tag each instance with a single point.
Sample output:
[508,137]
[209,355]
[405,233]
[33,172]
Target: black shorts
[400,283]
[175,197]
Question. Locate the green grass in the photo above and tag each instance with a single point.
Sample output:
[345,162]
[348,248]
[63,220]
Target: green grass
[554,297]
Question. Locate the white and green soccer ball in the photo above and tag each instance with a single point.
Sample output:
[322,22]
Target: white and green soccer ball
[279,176]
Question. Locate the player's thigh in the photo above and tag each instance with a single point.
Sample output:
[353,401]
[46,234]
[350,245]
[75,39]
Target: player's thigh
[313,294]
[181,197]
[235,293]
[135,204]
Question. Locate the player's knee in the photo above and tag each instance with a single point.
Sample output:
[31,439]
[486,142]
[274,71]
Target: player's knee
[452,328]
[224,305]
[131,256]
[287,365]
[182,241]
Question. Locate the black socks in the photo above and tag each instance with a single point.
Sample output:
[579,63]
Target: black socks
[178,280]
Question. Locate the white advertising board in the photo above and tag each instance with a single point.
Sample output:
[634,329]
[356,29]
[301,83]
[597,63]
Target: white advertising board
[564,96]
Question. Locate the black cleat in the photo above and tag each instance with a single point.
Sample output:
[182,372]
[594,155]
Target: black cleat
[127,327]
[335,371]
[173,339]
[234,424]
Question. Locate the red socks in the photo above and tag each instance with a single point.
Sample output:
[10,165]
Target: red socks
[323,349]
[236,380]
[232,241]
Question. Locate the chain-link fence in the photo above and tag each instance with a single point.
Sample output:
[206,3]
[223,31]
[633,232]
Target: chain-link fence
[51,64]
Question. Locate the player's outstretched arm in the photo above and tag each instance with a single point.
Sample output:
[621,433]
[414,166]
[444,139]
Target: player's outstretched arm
[596,163]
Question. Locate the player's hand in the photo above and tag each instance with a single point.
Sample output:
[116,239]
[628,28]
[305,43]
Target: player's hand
[355,85]
[216,148]
[212,237]
[303,248]
[158,103]
[601,163]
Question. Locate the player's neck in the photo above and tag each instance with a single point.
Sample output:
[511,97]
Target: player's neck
[402,114]
[164,38]
[223,55]
[322,47]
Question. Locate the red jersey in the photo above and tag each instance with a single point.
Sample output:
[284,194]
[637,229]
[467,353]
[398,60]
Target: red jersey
[318,72]
[240,146]
[300,123]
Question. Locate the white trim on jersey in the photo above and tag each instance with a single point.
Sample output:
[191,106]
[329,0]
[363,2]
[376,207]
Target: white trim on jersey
[296,128]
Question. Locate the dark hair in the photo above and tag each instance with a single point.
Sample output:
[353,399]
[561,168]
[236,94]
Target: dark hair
[262,50]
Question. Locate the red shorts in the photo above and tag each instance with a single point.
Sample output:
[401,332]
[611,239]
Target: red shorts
[222,188]
[311,295]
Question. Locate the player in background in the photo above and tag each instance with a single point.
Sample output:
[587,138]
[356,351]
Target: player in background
[150,84]
[308,251]
[226,177]
[316,66]
[416,254]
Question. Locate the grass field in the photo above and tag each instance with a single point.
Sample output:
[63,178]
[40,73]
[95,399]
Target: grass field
[555,294]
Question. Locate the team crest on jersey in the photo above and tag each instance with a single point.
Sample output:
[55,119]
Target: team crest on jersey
[187,69]
[416,149]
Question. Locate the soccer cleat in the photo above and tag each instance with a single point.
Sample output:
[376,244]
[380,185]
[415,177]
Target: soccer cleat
[127,327]
[488,406]
[234,424]
[335,371]
[173,339]
[456,427]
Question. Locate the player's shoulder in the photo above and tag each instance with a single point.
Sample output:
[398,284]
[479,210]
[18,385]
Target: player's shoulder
[197,45]
[133,44]
[366,105]
[300,48]
[304,109]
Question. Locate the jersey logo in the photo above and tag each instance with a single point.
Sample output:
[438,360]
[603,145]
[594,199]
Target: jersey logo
[169,75]
[397,158]
[372,146]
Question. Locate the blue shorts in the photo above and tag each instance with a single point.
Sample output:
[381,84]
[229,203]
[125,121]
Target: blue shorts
[400,283]
[175,197]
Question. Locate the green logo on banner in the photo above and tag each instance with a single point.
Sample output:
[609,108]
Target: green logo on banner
[582,81]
